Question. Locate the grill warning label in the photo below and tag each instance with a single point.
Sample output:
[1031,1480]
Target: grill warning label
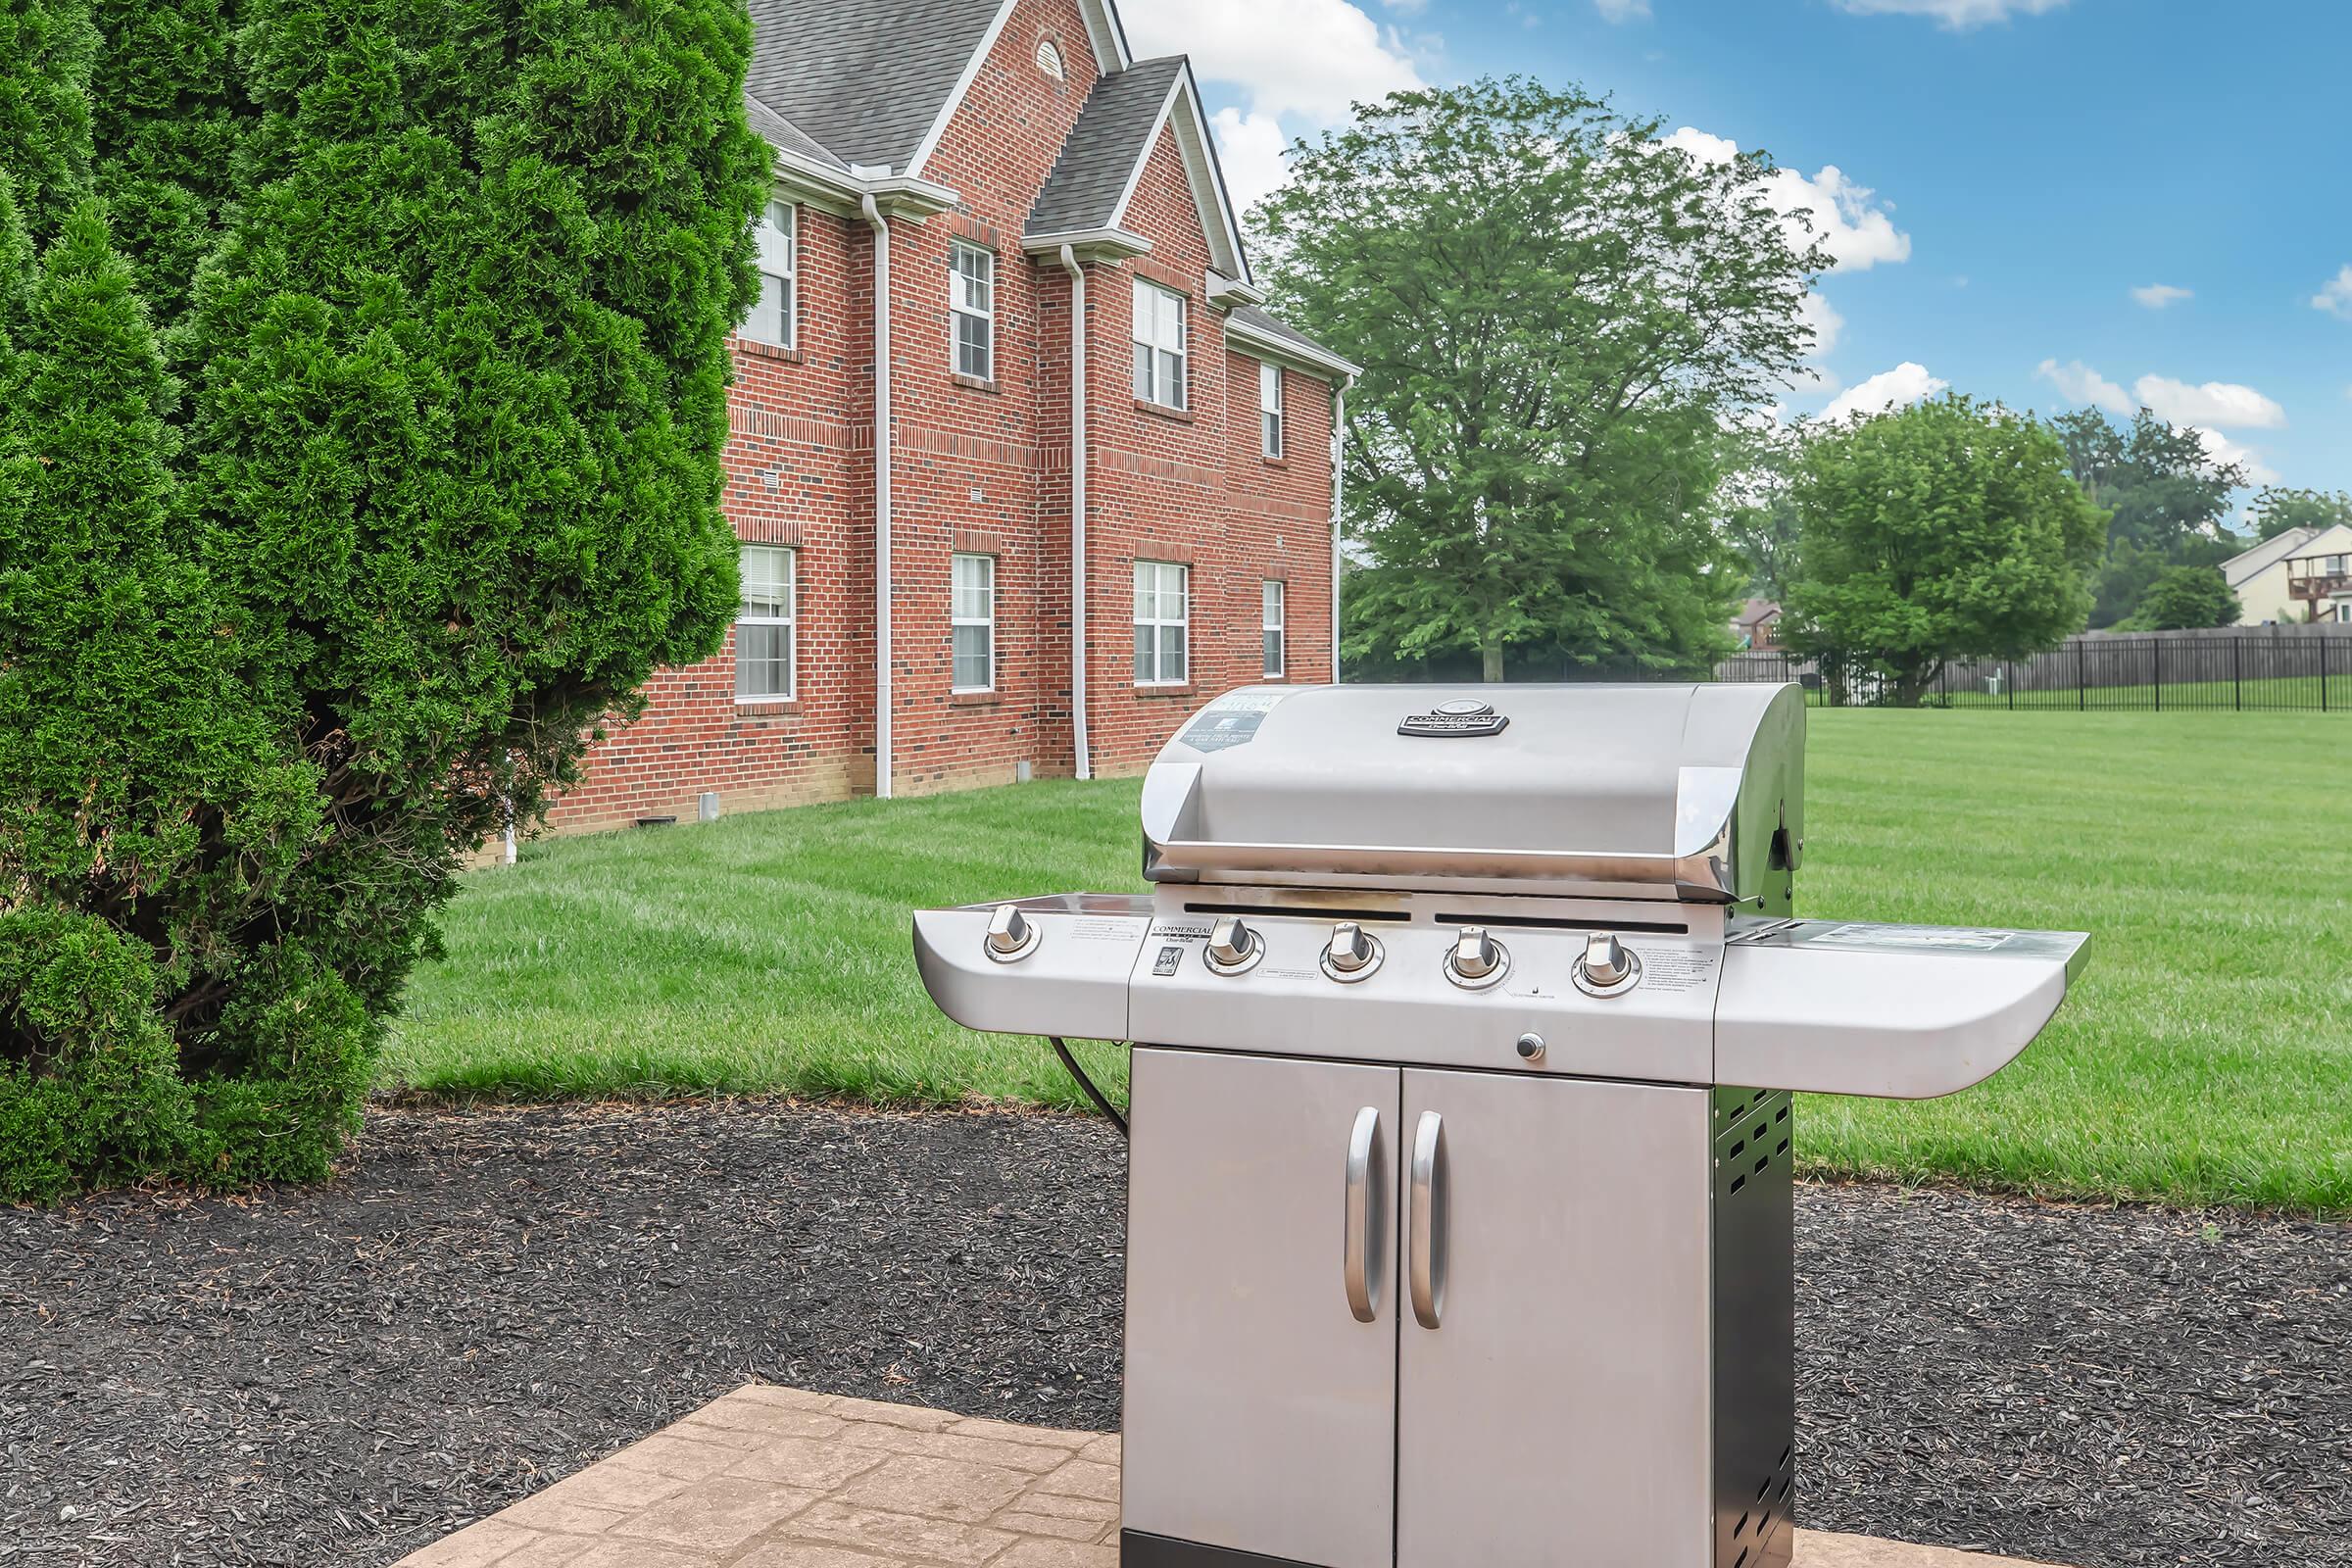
[1232,720]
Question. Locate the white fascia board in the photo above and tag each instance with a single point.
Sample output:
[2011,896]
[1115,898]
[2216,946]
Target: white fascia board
[1315,361]
[1095,244]
[905,196]
[1229,292]
[1107,35]
[964,85]
[1203,173]
[815,183]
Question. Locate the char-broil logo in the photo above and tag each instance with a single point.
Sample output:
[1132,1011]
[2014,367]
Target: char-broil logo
[1460,716]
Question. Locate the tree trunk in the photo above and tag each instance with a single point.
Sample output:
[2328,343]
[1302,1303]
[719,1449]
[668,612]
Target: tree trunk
[1492,652]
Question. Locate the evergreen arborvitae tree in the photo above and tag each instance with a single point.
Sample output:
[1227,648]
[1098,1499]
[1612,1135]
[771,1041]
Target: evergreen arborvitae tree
[461,395]
[143,799]
[455,400]
[167,112]
[46,51]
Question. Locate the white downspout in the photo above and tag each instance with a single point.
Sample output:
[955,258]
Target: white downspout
[1339,422]
[1079,744]
[882,517]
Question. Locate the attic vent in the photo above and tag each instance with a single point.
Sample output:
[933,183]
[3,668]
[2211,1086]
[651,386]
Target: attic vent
[1049,59]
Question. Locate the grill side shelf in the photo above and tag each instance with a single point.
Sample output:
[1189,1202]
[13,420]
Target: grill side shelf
[1892,1011]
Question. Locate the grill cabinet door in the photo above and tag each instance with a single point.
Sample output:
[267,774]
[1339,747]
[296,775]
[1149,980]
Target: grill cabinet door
[1260,1413]
[1558,1412]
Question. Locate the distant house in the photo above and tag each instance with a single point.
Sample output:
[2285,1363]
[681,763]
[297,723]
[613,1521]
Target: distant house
[1757,626]
[2289,577]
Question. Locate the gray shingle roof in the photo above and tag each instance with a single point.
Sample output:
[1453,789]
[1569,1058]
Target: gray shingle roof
[865,78]
[780,133]
[1111,137]
[1281,331]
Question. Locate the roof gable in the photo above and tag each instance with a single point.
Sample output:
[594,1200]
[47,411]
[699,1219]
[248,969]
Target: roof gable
[2248,564]
[1095,181]
[874,83]
[1113,135]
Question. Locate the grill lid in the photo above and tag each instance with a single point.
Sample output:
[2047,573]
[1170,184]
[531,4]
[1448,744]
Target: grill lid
[1683,793]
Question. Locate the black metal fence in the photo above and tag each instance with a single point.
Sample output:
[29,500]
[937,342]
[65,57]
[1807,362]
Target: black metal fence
[2256,670]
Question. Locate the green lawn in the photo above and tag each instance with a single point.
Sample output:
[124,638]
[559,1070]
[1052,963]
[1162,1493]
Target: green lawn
[2207,1057]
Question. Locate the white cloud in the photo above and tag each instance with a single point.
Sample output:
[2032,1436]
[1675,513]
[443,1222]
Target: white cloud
[1249,147]
[2222,449]
[1623,9]
[2079,383]
[1905,384]
[1307,58]
[1847,217]
[2156,296]
[1957,14]
[2218,405]
[2336,295]
[1826,325]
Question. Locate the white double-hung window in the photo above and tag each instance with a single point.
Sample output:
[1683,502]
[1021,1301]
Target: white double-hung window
[1270,619]
[764,623]
[1162,622]
[972,592]
[1269,407]
[1158,345]
[775,310]
[972,310]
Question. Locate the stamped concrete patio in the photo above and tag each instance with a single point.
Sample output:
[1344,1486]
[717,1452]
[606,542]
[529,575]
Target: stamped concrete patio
[774,1478]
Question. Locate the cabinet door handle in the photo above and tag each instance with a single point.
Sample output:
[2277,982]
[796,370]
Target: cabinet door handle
[1361,1255]
[1425,1217]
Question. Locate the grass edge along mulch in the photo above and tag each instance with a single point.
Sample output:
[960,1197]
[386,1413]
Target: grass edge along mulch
[2205,1058]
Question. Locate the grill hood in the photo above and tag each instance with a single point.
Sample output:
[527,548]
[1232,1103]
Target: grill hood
[1690,794]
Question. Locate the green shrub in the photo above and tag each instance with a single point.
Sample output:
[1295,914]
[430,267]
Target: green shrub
[282,641]
[89,1079]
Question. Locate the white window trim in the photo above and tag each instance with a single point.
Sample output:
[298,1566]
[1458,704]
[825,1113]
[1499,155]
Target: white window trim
[1270,431]
[1184,621]
[1181,354]
[789,621]
[957,306]
[1273,600]
[988,620]
[780,258]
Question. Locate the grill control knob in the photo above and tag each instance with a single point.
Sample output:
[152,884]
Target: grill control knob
[1477,959]
[1010,934]
[1350,951]
[1233,947]
[1606,961]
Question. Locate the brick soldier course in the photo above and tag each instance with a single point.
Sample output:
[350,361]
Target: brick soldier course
[1007,130]
[776,1477]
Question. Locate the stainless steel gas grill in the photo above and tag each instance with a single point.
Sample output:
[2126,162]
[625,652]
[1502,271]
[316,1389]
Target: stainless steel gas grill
[1458,1203]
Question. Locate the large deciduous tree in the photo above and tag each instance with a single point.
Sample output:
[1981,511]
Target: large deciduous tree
[2278,510]
[440,489]
[2165,495]
[1946,529]
[1556,315]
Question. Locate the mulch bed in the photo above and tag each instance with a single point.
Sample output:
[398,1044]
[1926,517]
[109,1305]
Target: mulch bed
[490,1300]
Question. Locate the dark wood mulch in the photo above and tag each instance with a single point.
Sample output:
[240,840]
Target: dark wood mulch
[490,1300]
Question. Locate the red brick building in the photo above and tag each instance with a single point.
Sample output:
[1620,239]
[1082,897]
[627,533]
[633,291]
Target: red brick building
[1028,231]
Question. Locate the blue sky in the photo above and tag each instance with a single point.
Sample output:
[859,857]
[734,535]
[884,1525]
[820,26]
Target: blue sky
[2048,201]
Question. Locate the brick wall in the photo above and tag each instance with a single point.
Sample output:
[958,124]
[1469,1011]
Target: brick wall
[986,469]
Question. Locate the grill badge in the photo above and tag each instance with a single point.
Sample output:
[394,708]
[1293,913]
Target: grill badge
[1463,716]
